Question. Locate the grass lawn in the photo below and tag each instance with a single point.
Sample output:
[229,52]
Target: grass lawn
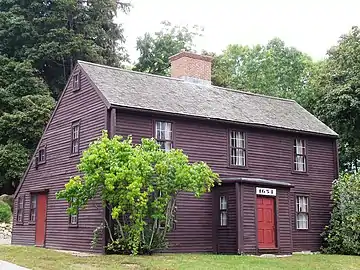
[38,258]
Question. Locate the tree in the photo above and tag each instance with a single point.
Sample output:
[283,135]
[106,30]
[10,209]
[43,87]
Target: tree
[342,236]
[273,69]
[155,49]
[139,185]
[339,104]
[25,107]
[54,34]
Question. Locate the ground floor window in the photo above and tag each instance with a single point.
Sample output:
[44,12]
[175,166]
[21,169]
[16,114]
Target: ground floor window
[302,212]
[223,211]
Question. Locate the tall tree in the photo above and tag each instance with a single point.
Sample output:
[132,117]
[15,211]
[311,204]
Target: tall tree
[339,106]
[25,107]
[272,69]
[155,49]
[54,34]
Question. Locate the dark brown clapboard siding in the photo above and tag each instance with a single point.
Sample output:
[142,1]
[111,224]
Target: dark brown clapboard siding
[269,157]
[226,235]
[193,229]
[86,106]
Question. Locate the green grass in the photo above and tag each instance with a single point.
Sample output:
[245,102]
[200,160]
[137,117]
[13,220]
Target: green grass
[38,258]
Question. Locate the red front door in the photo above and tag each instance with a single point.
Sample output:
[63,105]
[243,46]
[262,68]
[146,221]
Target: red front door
[41,202]
[266,222]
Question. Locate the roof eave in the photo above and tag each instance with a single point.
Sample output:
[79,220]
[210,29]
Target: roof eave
[135,109]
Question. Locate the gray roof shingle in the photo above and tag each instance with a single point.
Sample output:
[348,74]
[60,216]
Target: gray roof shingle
[164,94]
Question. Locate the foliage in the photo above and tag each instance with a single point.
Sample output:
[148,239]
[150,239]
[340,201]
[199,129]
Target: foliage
[25,107]
[139,184]
[339,104]
[9,199]
[155,49]
[273,69]
[5,212]
[54,34]
[342,236]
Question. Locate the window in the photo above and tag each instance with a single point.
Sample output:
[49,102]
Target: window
[302,212]
[41,155]
[75,136]
[76,81]
[223,211]
[164,135]
[299,155]
[32,215]
[73,218]
[20,209]
[237,148]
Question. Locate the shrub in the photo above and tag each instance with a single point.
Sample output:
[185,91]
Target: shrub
[9,199]
[139,185]
[5,212]
[342,236]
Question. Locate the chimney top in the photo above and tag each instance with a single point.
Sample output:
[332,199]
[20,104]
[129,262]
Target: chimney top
[192,55]
[191,67]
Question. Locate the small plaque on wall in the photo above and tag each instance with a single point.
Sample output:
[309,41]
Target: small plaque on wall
[266,191]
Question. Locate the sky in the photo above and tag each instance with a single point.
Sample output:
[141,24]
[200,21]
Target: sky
[311,26]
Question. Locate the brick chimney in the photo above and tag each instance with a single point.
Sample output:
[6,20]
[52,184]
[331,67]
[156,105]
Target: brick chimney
[191,67]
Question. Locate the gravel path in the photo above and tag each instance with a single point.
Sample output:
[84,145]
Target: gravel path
[9,266]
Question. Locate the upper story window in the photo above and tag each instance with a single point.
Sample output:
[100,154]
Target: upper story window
[237,148]
[164,135]
[20,209]
[300,155]
[32,215]
[223,211]
[302,212]
[75,137]
[76,81]
[42,155]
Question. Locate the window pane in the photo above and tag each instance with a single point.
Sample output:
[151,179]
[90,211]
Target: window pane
[302,221]
[223,203]
[237,157]
[223,218]
[33,201]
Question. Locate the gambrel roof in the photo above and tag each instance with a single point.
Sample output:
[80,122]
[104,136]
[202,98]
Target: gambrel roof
[144,91]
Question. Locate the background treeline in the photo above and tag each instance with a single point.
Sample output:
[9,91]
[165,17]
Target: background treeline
[40,42]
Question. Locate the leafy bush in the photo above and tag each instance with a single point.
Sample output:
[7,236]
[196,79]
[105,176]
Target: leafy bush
[9,199]
[342,236]
[5,212]
[139,185]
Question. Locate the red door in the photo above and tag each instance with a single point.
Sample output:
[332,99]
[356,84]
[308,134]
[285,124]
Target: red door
[41,202]
[266,222]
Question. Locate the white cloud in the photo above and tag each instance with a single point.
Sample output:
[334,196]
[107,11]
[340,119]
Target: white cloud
[312,26]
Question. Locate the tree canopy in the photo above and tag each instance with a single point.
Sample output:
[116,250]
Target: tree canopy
[25,107]
[272,69]
[139,185]
[54,34]
[155,49]
[339,103]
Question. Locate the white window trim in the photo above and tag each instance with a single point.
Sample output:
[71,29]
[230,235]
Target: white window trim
[302,212]
[239,147]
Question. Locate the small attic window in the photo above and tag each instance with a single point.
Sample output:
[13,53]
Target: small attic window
[42,155]
[76,81]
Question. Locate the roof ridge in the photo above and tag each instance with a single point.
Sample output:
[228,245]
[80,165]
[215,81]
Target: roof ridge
[181,80]
[131,71]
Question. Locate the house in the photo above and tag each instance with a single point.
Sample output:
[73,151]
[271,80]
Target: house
[276,160]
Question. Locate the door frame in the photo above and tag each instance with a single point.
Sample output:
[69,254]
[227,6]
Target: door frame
[43,192]
[276,230]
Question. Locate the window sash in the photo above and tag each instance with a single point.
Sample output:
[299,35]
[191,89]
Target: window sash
[299,155]
[74,219]
[223,218]
[42,156]
[302,212]
[223,203]
[237,148]
[20,209]
[164,135]
[75,138]
[76,81]
[33,207]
